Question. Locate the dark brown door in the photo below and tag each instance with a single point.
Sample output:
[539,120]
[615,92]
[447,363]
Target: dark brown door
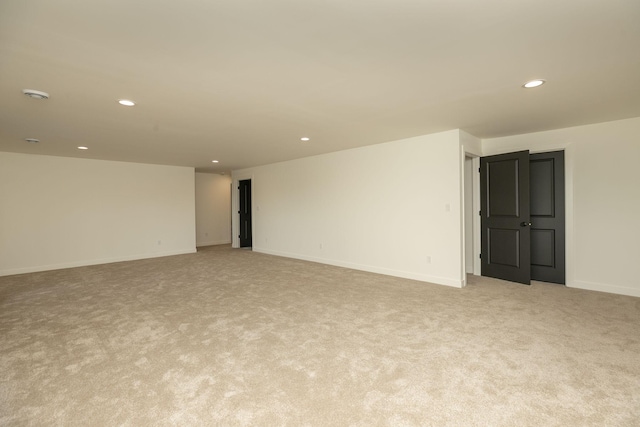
[505,220]
[245,213]
[547,217]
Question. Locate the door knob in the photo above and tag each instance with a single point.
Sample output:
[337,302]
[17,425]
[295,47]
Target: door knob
[525,224]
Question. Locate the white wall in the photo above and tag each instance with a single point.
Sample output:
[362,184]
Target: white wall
[603,200]
[213,209]
[391,208]
[472,146]
[60,212]
[364,208]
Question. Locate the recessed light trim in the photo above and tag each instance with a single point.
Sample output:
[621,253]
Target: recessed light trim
[305,139]
[126,102]
[32,140]
[82,147]
[215,161]
[534,83]
[35,94]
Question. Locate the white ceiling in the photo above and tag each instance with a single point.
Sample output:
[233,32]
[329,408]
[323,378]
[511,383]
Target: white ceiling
[242,80]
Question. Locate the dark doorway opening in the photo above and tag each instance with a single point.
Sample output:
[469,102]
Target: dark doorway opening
[245,236]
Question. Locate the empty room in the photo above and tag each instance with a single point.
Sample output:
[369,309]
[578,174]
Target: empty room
[366,213]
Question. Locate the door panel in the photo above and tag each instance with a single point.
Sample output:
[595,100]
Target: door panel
[506,241]
[504,247]
[502,182]
[542,191]
[543,243]
[547,217]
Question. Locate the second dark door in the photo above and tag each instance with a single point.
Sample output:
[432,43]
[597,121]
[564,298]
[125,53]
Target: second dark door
[547,217]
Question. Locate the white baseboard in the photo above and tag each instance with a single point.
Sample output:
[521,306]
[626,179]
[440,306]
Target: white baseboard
[600,287]
[37,268]
[213,243]
[372,269]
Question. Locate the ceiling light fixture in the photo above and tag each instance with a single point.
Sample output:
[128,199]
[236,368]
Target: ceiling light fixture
[32,140]
[215,161]
[35,94]
[533,83]
[126,102]
[304,138]
[83,148]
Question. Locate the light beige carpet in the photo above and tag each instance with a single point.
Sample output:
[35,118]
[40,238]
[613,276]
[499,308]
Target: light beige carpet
[235,338]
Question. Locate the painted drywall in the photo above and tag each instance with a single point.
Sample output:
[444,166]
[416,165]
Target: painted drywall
[471,145]
[58,212]
[213,209]
[603,199]
[392,208]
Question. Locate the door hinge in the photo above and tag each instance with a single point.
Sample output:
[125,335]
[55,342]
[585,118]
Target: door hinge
[480,213]
[480,256]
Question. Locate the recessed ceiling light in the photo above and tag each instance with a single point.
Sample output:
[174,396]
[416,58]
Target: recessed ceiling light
[126,102]
[304,138]
[533,83]
[215,161]
[36,94]
[83,148]
[32,140]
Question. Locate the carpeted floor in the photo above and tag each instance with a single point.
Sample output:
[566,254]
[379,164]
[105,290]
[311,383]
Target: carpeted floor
[235,338]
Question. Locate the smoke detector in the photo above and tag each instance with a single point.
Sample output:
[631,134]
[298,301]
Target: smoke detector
[37,94]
